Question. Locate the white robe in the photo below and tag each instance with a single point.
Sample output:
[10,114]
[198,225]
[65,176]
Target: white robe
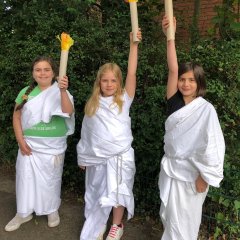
[194,145]
[105,150]
[38,176]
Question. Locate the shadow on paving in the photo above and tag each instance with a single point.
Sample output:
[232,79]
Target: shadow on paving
[71,214]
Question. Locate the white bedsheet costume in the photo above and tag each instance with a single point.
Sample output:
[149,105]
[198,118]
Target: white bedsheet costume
[38,176]
[194,145]
[105,150]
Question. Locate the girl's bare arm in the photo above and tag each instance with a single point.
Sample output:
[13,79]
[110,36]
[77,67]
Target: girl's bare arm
[130,85]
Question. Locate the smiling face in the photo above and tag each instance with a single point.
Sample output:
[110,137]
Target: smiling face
[108,84]
[43,74]
[187,85]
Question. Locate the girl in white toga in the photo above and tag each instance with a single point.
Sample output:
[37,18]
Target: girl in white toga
[42,119]
[194,149]
[105,149]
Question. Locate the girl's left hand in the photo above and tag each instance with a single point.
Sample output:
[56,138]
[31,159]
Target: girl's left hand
[63,83]
[201,185]
[139,36]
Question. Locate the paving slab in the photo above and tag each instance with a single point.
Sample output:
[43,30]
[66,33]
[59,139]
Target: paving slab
[71,214]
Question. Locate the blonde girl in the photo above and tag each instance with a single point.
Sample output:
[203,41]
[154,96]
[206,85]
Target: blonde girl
[105,151]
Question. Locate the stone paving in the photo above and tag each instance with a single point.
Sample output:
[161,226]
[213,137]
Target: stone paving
[71,214]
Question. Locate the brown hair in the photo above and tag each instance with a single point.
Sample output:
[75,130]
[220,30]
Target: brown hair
[34,83]
[198,73]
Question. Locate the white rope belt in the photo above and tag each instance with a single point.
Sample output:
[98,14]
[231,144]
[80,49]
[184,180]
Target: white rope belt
[119,172]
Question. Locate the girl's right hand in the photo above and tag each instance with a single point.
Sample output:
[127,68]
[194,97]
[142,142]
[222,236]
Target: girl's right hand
[82,167]
[165,24]
[24,148]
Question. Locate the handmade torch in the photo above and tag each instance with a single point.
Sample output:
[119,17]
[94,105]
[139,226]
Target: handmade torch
[66,43]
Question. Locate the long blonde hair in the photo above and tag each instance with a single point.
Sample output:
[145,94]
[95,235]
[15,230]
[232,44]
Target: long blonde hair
[93,102]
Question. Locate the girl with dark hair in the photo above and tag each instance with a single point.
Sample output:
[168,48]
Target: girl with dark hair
[194,148]
[42,119]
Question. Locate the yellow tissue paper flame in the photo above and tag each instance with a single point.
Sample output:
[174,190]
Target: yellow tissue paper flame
[66,41]
[128,1]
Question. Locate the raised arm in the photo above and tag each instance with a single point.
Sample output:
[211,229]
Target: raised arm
[171,61]
[66,104]
[130,85]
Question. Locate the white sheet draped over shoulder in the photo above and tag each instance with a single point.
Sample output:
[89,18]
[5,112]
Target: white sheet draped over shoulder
[38,176]
[105,148]
[194,145]
[45,105]
[106,134]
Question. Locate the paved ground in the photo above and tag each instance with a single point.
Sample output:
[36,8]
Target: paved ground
[71,214]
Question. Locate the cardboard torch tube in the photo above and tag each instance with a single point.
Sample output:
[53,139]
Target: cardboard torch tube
[63,63]
[169,13]
[134,20]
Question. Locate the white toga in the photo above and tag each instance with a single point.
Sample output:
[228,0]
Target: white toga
[39,176]
[194,145]
[105,148]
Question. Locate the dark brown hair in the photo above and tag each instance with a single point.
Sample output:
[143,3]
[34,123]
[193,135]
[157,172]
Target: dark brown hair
[34,83]
[198,73]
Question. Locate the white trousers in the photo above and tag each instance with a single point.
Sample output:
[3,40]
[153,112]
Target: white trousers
[182,212]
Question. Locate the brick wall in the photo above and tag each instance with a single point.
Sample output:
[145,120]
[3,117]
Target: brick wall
[184,9]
